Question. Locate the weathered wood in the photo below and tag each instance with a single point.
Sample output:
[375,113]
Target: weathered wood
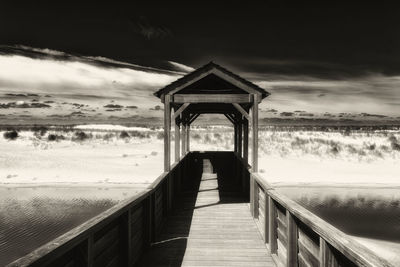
[291,240]
[246,141]
[326,256]
[180,110]
[235,139]
[306,256]
[229,118]
[255,133]
[183,136]
[211,98]
[240,138]
[266,219]
[355,252]
[255,196]
[193,118]
[211,231]
[90,255]
[177,142]
[272,229]
[241,110]
[187,138]
[167,133]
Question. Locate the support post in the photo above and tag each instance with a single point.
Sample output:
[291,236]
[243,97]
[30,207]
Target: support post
[240,135]
[255,133]
[187,137]
[90,254]
[177,141]
[291,250]
[273,235]
[246,141]
[183,137]
[235,130]
[167,133]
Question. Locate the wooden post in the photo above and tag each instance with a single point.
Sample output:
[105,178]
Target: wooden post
[90,256]
[291,232]
[266,219]
[246,141]
[240,134]
[272,229]
[255,133]
[183,137]
[255,196]
[125,233]
[235,130]
[177,141]
[326,256]
[167,133]
[187,137]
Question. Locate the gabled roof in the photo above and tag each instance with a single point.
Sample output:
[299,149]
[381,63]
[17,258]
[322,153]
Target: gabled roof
[205,69]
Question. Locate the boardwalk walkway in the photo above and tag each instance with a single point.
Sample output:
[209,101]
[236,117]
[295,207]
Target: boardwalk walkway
[211,226]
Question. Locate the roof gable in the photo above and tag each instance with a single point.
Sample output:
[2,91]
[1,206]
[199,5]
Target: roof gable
[209,78]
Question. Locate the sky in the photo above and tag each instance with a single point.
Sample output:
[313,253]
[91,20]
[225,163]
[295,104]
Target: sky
[318,59]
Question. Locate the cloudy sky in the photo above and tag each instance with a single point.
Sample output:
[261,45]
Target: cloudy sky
[334,58]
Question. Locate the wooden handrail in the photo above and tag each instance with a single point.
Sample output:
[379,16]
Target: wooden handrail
[328,234]
[72,239]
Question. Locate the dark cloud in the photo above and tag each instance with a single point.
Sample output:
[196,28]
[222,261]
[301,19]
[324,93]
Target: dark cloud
[149,30]
[313,39]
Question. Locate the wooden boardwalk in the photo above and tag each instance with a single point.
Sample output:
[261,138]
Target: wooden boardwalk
[211,226]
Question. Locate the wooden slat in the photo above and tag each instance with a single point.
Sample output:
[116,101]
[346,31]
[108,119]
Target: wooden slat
[308,258]
[103,242]
[107,255]
[281,252]
[272,229]
[211,98]
[217,230]
[353,251]
[308,243]
[291,240]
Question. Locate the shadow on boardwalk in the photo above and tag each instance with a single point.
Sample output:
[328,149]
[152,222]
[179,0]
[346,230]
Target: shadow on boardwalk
[211,224]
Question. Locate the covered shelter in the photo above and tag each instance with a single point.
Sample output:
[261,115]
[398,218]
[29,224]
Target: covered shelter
[211,89]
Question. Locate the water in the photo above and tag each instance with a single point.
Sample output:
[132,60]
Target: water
[32,216]
[369,215]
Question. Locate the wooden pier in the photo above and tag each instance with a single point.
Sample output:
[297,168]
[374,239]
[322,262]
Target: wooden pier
[211,225]
[208,208]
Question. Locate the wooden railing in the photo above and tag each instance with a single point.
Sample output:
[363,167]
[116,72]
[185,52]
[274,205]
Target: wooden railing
[118,236]
[297,237]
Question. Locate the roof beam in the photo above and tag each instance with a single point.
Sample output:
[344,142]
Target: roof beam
[180,110]
[241,110]
[212,98]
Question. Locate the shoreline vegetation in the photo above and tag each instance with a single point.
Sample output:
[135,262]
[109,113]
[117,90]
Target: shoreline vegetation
[118,154]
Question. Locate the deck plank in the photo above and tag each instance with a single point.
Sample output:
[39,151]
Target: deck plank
[212,226]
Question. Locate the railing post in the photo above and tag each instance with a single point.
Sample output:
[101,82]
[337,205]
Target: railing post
[292,239]
[170,190]
[149,221]
[273,245]
[90,251]
[266,217]
[326,256]
[125,237]
[254,197]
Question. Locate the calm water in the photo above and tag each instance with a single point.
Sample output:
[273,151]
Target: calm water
[370,215]
[32,216]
